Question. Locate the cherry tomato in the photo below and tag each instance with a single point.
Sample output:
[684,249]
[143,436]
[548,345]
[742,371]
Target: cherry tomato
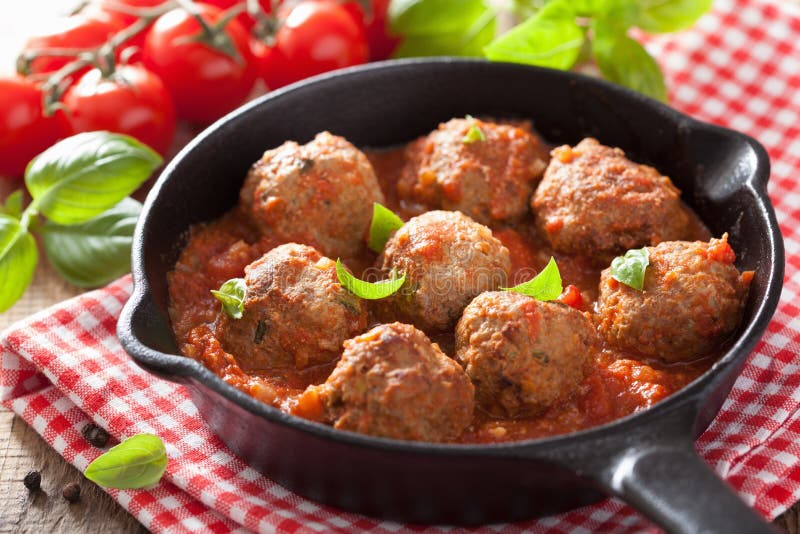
[244,19]
[376,27]
[132,101]
[205,82]
[84,31]
[316,36]
[24,131]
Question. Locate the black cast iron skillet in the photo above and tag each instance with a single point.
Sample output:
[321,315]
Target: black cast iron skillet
[648,458]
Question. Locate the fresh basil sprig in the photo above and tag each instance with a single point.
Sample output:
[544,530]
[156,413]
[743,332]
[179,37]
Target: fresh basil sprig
[231,294]
[84,175]
[79,184]
[137,462]
[441,27]
[368,290]
[630,268]
[95,252]
[384,222]
[544,286]
[18,257]
[553,33]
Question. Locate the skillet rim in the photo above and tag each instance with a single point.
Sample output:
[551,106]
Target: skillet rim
[179,368]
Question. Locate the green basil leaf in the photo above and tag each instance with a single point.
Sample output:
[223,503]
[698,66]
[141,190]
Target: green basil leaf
[231,294]
[551,38]
[384,222]
[474,134]
[659,16]
[435,28]
[137,462]
[368,290]
[84,175]
[18,257]
[624,61]
[13,204]
[96,252]
[544,286]
[630,268]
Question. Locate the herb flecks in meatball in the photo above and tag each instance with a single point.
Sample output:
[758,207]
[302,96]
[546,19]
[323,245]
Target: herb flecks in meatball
[393,382]
[594,201]
[296,313]
[522,354]
[447,259]
[484,169]
[691,301]
[319,194]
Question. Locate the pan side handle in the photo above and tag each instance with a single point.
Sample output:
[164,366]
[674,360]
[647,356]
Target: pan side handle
[675,488]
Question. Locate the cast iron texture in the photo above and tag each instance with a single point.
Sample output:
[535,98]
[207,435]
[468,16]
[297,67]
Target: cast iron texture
[647,458]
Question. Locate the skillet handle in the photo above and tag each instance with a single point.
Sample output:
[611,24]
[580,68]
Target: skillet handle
[671,485]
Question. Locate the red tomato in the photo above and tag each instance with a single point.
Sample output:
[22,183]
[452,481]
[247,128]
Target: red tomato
[244,19]
[85,31]
[315,37]
[133,101]
[376,27]
[205,83]
[24,131]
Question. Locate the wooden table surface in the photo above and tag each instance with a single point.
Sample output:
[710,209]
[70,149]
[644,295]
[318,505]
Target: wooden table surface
[21,448]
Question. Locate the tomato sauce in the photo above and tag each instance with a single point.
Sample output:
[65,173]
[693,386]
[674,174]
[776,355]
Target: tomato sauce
[616,384]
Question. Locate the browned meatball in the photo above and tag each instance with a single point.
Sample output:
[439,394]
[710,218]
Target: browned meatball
[448,259]
[522,354]
[320,194]
[596,202]
[490,180]
[690,303]
[393,382]
[295,312]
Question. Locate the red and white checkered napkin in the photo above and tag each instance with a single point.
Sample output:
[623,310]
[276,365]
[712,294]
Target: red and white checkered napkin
[739,66]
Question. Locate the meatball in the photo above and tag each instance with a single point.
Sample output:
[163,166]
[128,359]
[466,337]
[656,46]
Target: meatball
[521,354]
[295,312]
[448,259]
[596,202]
[490,180]
[691,301]
[393,382]
[320,194]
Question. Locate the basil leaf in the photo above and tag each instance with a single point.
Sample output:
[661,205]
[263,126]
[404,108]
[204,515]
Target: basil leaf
[84,175]
[384,222]
[13,204]
[368,290]
[544,286]
[95,252]
[624,61]
[18,257]
[231,294]
[658,16]
[474,134]
[630,268]
[137,462]
[433,27]
[552,38]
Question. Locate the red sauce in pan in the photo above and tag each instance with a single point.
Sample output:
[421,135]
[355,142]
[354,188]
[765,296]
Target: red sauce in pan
[616,384]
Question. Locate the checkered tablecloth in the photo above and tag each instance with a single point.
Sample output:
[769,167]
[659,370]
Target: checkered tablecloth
[739,67]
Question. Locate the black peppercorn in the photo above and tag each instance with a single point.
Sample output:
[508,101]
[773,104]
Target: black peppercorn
[33,481]
[95,435]
[71,492]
